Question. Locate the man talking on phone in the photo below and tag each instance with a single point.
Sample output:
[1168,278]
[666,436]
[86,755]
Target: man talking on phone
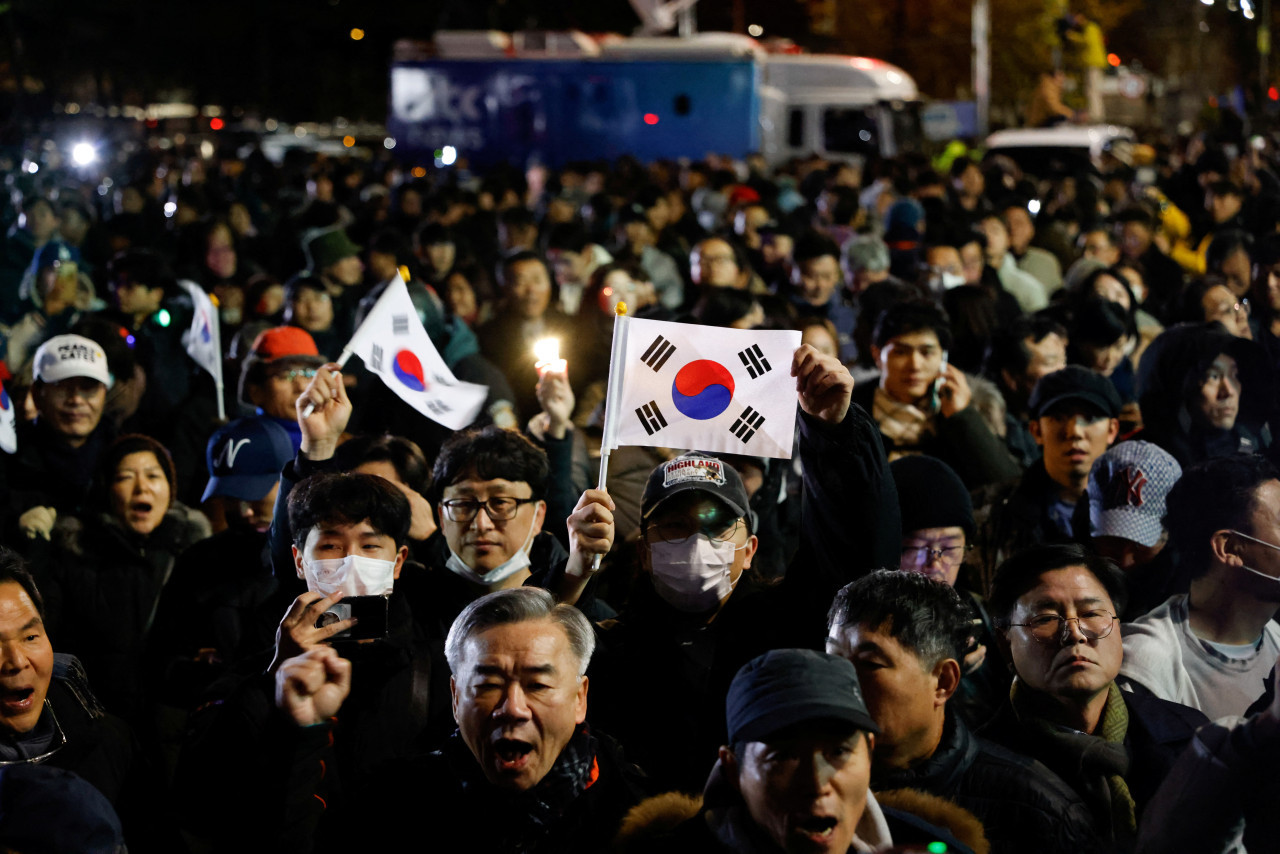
[922,403]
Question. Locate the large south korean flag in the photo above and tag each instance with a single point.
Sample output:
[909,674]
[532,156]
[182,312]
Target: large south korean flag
[680,385]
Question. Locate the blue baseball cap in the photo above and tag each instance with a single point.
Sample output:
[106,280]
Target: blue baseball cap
[245,458]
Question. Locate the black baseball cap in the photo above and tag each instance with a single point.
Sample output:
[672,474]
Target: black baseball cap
[786,687]
[695,471]
[1074,383]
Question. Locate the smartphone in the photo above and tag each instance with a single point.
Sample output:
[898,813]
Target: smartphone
[370,613]
[935,396]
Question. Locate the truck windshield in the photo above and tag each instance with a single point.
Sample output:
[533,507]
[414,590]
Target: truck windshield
[849,130]
[908,134]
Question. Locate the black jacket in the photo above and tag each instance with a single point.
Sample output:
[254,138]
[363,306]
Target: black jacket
[652,652]
[1022,804]
[230,779]
[46,471]
[109,582]
[1015,516]
[963,441]
[444,799]
[1169,378]
[1158,733]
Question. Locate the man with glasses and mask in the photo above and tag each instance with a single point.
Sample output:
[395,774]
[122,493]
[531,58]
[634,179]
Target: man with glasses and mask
[1211,648]
[1057,610]
[696,612]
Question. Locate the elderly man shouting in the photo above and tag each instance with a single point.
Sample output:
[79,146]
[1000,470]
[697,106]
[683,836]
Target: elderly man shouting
[522,773]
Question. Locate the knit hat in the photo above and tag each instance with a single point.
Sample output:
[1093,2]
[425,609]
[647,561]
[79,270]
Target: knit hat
[1128,486]
[931,495]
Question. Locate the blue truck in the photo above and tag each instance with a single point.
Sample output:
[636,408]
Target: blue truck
[551,98]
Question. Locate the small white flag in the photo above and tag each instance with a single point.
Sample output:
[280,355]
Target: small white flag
[201,340]
[393,345]
[8,423]
[705,388]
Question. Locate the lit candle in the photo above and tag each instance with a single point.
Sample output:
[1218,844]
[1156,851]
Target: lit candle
[547,352]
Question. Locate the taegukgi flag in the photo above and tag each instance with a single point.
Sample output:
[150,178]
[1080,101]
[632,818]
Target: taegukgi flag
[393,345]
[681,385]
[8,423]
[201,340]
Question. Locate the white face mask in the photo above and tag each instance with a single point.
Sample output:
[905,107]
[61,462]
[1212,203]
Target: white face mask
[1271,578]
[951,280]
[694,575]
[353,575]
[501,572]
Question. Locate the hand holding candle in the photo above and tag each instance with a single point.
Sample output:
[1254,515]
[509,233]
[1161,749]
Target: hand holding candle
[547,352]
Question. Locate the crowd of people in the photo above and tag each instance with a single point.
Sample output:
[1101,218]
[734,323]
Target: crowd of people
[1013,591]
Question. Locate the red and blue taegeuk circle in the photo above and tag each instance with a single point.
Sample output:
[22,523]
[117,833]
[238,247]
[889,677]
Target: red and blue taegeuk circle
[408,369]
[4,399]
[702,389]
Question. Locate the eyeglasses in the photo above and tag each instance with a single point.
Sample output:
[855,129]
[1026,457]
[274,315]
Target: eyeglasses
[680,530]
[1046,628]
[293,373]
[922,555]
[59,741]
[500,509]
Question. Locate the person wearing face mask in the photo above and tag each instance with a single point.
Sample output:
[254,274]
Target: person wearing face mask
[1211,648]
[696,611]
[350,534]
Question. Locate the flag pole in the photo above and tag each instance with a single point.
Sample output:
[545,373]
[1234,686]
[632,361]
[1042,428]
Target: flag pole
[217,377]
[342,363]
[616,355]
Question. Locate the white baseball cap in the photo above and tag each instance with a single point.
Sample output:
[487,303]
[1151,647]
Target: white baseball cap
[65,356]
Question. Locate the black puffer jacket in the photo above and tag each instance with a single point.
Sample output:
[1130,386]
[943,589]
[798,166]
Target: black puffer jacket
[1022,804]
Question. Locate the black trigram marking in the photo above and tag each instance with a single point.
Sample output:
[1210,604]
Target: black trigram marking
[651,417]
[747,425]
[754,361]
[438,408]
[400,324]
[658,353]
[375,358]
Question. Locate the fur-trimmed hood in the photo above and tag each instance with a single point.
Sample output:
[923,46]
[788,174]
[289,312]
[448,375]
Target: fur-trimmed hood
[656,818]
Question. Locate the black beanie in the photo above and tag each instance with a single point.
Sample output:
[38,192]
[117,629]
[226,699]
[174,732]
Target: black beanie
[931,495]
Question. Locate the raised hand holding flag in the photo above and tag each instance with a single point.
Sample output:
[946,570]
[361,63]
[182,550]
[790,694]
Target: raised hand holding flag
[393,344]
[682,385]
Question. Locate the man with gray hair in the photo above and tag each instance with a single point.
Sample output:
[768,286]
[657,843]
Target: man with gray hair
[522,773]
[866,261]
